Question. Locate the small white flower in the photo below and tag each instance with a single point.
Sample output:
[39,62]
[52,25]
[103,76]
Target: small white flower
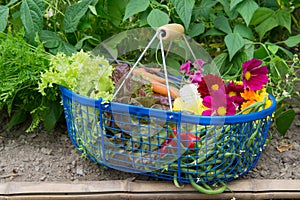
[286,94]
[50,12]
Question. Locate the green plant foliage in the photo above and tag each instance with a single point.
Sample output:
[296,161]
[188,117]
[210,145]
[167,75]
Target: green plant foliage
[184,10]
[32,12]
[74,13]
[196,29]
[3,17]
[234,43]
[222,24]
[134,7]
[292,41]
[157,18]
[117,8]
[246,9]
[284,120]
[20,68]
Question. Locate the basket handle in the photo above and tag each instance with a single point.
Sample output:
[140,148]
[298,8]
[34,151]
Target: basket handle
[171,31]
[166,32]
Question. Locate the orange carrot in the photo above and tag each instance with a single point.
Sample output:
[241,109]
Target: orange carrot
[148,76]
[162,89]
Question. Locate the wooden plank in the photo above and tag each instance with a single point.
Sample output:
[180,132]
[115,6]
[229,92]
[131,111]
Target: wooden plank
[126,189]
[145,196]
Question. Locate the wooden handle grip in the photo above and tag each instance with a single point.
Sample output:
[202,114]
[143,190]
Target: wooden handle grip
[171,31]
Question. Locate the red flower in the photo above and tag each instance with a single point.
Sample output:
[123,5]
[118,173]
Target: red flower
[219,104]
[234,91]
[254,75]
[210,83]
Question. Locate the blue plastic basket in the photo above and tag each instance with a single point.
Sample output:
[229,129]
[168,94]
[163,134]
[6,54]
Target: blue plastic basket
[157,142]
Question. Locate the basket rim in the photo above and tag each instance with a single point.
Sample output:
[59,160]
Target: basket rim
[171,115]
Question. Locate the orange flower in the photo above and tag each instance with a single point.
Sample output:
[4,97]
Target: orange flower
[252,97]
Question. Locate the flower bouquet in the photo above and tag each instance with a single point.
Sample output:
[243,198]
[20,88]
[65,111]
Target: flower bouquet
[213,96]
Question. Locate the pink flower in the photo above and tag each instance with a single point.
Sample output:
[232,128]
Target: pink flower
[186,67]
[254,75]
[198,63]
[219,104]
[196,77]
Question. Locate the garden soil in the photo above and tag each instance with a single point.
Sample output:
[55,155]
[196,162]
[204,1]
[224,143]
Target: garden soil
[51,157]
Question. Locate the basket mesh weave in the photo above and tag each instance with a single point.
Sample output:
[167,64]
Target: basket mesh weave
[158,143]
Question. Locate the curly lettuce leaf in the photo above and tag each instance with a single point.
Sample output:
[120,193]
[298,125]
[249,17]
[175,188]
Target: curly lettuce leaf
[82,73]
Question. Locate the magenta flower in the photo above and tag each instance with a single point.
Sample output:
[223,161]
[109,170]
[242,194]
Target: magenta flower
[186,67]
[196,77]
[234,91]
[219,104]
[198,63]
[254,75]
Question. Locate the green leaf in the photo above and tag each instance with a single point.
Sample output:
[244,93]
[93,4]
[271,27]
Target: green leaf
[234,3]
[204,9]
[18,117]
[157,18]
[232,14]
[79,44]
[260,53]
[116,10]
[249,49]
[273,48]
[244,31]
[247,9]
[133,7]
[51,114]
[278,69]
[284,19]
[196,29]
[32,12]
[4,10]
[292,41]
[67,48]
[234,42]
[11,2]
[281,66]
[284,121]
[261,14]
[222,24]
[266,26]
[93,10]
[74,13]
[220,61]
[213,32]
[184,10]
[50,39]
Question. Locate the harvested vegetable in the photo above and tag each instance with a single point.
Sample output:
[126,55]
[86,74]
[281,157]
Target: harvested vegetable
[82,73]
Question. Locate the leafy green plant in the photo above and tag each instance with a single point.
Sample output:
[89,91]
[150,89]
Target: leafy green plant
[20,69]
[82,73]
